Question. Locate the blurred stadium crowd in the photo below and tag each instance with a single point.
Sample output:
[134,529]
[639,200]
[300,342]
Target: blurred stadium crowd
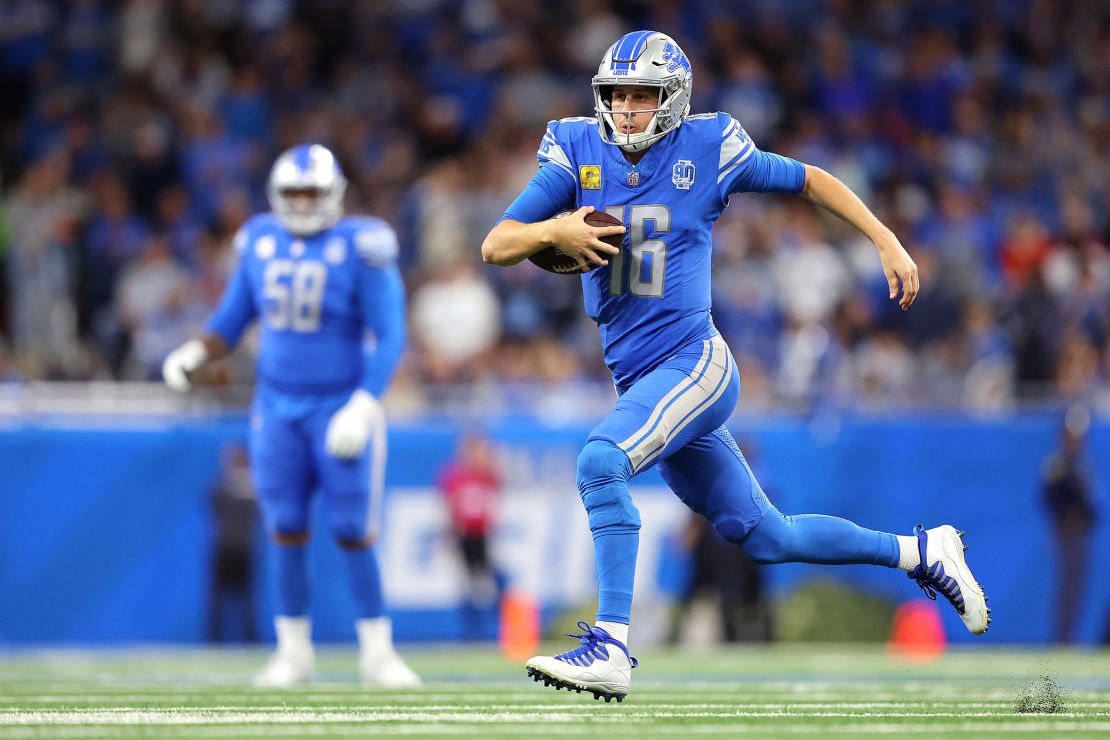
[137,137]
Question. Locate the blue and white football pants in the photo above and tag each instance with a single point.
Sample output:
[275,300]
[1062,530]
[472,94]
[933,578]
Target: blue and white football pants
[674,416]
[289,462]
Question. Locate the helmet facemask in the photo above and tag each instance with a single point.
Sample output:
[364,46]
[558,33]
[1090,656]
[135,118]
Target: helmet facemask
[306,189]
[650,60]
[661,123]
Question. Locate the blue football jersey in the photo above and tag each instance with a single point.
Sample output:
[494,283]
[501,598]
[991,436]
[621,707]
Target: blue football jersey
[653,298]
[317,297]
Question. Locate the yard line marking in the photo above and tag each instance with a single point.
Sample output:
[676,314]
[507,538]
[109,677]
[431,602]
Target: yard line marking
[716,729]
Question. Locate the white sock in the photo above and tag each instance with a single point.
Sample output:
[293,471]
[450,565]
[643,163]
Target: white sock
[294,634]
[909,556]
[615,629]
[375,636]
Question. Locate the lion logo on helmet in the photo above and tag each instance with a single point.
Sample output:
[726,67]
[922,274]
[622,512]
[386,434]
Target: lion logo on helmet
[675,59]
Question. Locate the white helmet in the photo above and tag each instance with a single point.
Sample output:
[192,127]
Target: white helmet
[306,170]
[644,58]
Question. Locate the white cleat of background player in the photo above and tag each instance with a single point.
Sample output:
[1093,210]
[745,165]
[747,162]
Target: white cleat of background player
[294,661]
[379,664]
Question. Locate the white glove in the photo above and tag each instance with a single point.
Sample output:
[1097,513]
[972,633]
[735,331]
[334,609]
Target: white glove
[181,362]
[350,426]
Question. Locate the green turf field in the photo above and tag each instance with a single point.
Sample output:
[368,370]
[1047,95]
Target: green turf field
[756,692]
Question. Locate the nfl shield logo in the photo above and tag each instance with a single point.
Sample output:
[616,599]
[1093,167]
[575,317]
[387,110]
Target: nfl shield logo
[633,178]
[682,174]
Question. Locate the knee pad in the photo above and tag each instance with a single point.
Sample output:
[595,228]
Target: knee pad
[288,521]
[603,473]
[353,544]
[347,518]
[348,532]
[602,462]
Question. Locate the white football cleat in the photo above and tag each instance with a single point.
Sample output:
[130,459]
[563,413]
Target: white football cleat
[379,664]
[388,671]
[943,569]
[286,669]
[601,665]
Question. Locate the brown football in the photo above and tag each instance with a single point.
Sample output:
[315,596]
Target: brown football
[552,260]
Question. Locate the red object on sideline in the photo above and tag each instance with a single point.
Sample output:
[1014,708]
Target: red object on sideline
[917,631]
[520,626]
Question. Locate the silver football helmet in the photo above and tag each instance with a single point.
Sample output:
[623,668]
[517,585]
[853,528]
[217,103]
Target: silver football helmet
[306,189]
[644,58]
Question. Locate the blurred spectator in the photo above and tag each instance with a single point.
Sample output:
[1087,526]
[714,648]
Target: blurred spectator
[984,143]
[1068,495]
[235,513]
[456,322]
[732,584]
[724,578]
[471,488]
[42,259]
[8,373]
[157,309]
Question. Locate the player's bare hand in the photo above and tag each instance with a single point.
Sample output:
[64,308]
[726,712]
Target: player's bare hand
[578,239]
[898,267]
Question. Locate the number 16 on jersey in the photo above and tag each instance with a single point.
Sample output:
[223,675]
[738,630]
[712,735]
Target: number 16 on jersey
[647,257]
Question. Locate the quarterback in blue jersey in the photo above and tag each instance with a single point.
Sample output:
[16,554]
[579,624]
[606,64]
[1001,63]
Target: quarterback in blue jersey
[319,284]
[667,175]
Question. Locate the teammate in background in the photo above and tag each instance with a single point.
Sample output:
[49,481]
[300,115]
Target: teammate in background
[471,487]
[667,176]
[320,283]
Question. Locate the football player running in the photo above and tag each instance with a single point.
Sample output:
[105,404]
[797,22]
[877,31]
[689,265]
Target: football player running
[667,175]
[319,283]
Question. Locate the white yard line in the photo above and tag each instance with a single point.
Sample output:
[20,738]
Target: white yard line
[208,716]
[731,729]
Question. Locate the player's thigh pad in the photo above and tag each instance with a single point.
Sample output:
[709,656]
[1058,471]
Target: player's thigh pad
[352,489]
[712,477]
[281,465]
[603,473]
[683,399]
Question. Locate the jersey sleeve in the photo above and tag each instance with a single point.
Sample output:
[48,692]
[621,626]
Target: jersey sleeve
[744,168]
[382,298]
[237,307]
[376,243]
[552,189]
[555,151]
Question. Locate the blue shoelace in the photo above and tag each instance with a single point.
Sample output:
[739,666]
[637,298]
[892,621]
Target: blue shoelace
[932,578]
[591,647]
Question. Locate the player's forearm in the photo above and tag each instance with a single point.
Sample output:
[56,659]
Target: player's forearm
[510,241]
[830,193]
[381,363]
[383,313]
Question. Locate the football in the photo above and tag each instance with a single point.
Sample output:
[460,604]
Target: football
[552,260]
